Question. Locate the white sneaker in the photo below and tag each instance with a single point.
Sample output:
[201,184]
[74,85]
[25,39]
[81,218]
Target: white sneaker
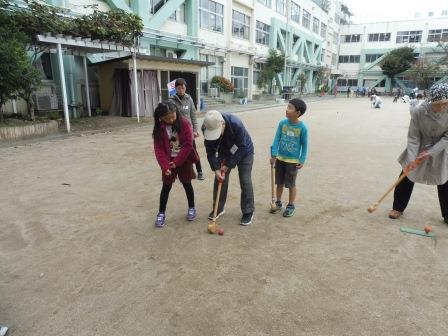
[3,330]
[219,214]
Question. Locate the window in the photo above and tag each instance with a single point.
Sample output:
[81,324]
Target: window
[430,14]
[437,35]
[211,16]
[178,15]
[267,3]
[336,38]
[295,12]
[280,6]
[43,64]
[207,73]
[379,37]
[240,79]
[316,23]
[409,36]
[372,57]
[240,25]
[347,82]
[323,30]
[444,12]
[349,59]
[306,19]
[334,59]
[262,33]
[258,67]
[351,38]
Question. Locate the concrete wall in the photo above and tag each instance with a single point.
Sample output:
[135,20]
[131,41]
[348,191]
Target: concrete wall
[28,131]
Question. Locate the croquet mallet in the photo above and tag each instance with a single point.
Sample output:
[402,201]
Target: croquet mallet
[406,171]
[273,196]
[212,226]
[273,206]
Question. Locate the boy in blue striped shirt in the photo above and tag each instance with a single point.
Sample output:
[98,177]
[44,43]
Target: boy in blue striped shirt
[288,153]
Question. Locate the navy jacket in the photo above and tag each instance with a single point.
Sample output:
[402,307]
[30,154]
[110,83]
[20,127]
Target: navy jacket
[233,145]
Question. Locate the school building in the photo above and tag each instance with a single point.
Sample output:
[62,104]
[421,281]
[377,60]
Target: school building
[363,47]
[198,39]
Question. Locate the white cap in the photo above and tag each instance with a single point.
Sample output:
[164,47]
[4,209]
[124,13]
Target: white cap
[213,121]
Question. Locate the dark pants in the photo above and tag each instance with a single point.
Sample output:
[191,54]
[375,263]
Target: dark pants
[198,164]
[165,193]
[403,191]
[247,191]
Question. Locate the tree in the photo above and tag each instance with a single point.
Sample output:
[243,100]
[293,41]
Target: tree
[274,65]
[322,74]
[302,80]
[422,71]
[397,61]
[17,74]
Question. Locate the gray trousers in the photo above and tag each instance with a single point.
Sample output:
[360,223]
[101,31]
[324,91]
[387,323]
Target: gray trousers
[247,190]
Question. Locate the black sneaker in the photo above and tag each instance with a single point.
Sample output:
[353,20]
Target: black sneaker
[445,220]
[201,176]
[219,214]
[247,219]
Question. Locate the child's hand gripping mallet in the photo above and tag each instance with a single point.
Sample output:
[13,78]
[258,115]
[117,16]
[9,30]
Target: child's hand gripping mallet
[212,226]
[410,167]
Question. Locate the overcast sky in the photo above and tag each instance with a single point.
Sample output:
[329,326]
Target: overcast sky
[393,10]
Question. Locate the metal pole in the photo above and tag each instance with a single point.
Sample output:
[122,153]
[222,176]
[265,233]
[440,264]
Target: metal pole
[86,76]
[137,108]
[63,88]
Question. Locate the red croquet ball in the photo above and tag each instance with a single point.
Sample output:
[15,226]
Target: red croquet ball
[221,232]
[428,229]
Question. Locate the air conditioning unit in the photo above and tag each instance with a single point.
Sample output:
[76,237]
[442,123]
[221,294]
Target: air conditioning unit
[45,102]
[171,54]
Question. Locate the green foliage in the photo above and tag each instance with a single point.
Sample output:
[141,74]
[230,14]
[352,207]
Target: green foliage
[115,25]
[422,72]
[397,61]
[222,83]
[275,64]
[302,80]
[17,74]
[39,18]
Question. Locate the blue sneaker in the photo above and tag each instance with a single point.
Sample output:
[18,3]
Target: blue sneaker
[191,214]
[289,211]
[160,220]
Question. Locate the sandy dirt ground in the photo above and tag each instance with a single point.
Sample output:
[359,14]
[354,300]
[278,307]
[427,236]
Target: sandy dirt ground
[79,253]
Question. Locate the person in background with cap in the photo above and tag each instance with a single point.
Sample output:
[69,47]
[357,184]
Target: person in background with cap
[228,145]
[427,143]
[185,105]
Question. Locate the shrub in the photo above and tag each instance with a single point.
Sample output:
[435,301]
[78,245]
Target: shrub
[222,83]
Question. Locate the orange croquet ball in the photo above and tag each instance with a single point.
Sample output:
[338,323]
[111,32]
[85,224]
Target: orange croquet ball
[220,231]
[427,229]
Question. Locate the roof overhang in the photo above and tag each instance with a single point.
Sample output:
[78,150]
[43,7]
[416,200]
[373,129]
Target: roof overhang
[156,59]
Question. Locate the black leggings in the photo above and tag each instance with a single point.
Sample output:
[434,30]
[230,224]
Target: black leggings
[403,191]
[166,192]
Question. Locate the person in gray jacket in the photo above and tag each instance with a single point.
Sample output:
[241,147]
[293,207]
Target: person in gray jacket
[428,145]
[185,105]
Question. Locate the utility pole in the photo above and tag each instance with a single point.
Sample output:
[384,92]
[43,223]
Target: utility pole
[285,76]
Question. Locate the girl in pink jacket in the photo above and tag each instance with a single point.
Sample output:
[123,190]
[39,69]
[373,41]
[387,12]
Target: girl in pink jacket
[173,147]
